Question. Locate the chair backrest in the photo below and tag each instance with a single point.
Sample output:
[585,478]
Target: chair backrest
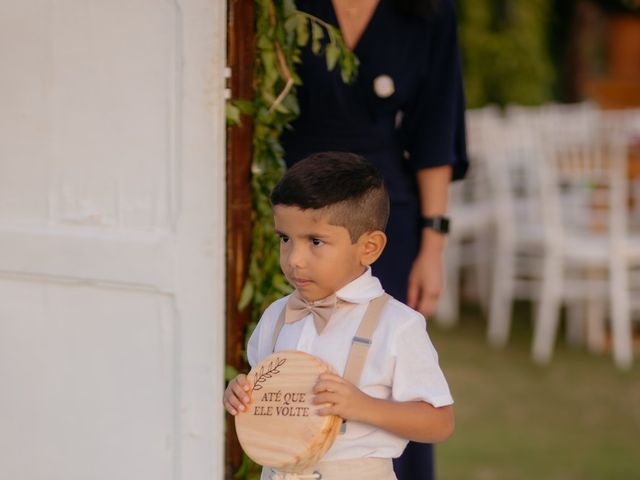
[515,177]
[626,124]
[557,170]
[483,125]
[584,177]
[473,193]
[483,132]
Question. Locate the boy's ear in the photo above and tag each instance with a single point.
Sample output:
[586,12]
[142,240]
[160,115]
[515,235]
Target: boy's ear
[371,246]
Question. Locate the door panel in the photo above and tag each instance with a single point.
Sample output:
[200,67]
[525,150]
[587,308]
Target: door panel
[93,376]
[112,231]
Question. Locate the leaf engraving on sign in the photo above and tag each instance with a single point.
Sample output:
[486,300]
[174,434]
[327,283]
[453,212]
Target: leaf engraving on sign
[271,370]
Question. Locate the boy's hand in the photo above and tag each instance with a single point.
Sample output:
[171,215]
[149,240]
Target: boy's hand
[236,396]
[345,399]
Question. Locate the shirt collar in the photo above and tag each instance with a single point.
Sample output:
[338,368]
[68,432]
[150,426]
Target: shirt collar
[361,290]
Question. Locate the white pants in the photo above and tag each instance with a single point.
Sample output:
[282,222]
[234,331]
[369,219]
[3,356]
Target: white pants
[355,469]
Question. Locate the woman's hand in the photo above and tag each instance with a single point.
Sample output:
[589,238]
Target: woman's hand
[426,282]
[344,399]
[237,396]
[426,279]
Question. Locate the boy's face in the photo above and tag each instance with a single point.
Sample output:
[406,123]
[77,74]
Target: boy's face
[316,257]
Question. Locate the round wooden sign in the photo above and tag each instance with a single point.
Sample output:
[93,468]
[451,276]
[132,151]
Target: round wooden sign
[281,428]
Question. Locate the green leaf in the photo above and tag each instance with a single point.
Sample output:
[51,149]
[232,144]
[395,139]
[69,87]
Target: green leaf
[332,53]
[288,8]
[232,114]
[291,23]
[230,373]
[302,30]
[316,31]
[316,35]
[291,102]
[264,43]
[245,106]
[245,295]
[349,67]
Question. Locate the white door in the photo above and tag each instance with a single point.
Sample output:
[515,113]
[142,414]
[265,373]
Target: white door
[111,239]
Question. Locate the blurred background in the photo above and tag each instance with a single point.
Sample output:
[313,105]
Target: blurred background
[543,261]
[550,50]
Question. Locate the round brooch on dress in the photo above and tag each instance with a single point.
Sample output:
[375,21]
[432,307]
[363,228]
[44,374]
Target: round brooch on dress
[383,86]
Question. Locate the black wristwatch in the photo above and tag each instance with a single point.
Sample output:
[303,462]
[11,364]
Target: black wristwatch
[438,223]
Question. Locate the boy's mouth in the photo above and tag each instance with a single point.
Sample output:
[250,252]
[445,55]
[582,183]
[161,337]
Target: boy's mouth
[301,282]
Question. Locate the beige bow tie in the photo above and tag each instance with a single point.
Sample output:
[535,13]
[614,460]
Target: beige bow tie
[298,308]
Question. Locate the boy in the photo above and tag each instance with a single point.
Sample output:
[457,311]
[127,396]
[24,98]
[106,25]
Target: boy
[330,211]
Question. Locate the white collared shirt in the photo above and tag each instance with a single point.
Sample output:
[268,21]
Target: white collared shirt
[402,364]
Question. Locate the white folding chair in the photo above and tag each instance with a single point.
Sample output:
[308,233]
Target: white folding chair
[563,233]
[589,251]
[471,213]
[519,227]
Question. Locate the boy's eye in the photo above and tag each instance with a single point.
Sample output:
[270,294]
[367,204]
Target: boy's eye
[317,242]
[283,238]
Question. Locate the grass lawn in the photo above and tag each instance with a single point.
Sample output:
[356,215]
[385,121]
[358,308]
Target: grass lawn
[576,419]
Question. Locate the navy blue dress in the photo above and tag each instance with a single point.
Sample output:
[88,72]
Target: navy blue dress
[413,119]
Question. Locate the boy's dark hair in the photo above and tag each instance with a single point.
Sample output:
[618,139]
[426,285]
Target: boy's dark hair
[345,184]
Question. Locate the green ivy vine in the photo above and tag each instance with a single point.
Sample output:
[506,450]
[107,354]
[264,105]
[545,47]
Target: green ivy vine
[281,31]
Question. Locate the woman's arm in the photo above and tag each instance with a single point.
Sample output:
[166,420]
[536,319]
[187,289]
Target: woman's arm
[426,279]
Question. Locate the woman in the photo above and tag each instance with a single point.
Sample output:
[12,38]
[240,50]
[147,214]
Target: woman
[405,114]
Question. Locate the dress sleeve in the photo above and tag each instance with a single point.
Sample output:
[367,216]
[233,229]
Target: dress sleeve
[417,375]
[433,121]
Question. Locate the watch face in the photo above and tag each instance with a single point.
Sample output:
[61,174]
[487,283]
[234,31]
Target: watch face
[439,224]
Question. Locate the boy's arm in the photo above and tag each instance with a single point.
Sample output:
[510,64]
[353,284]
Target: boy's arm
[417,421]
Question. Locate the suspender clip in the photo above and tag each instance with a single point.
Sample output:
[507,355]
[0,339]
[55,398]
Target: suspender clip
[362,340]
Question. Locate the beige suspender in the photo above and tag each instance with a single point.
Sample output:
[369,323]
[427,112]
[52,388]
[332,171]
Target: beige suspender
[362,340]
[360,344]
[277,328]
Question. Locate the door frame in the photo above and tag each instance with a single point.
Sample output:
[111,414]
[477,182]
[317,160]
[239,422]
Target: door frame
[240,55]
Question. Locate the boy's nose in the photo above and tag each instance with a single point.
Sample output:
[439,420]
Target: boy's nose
[296,257]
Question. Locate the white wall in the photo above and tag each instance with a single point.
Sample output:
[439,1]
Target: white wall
[112,157]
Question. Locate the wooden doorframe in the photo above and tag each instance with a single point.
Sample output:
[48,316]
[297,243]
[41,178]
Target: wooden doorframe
[240,55]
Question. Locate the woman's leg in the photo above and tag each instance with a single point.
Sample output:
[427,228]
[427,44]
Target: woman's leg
[415,463]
